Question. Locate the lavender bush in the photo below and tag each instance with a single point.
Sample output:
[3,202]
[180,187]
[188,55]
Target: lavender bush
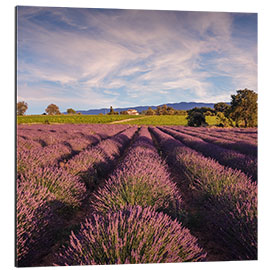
[26,144]
[33,217]
[140,179]
[231,134]
[39,158]
[65,187]
[132,235]
[233,159]
[228,196]
[244,147]
[100,158]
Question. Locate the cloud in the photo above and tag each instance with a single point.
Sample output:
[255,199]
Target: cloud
[118,57]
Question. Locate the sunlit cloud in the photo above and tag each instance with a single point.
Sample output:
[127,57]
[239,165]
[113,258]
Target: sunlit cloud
[94,58]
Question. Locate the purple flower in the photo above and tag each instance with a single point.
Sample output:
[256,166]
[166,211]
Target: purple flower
[132,235]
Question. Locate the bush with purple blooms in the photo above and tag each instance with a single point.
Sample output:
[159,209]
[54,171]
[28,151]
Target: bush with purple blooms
[233,159]
[140,179]
[243,146]
[66,188]
[99,159]
[33,217]
[228,197]
[132,235]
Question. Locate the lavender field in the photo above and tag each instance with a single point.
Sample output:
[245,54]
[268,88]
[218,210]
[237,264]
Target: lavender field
[124,194]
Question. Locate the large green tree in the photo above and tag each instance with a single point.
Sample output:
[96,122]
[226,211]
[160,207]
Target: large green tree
[21,107]
[244,107]
[52,109]
[221,107]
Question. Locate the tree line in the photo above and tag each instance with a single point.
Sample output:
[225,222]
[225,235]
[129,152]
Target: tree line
[164,110]
[242,111]
[52,109]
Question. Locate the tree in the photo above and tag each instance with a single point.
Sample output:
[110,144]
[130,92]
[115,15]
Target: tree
[196,118]
[158,110]
[244,107]
[52,109]
[150,111]
[221,107]
[223,121]
[112,111]
[21,107]
[71,111]
[170,111]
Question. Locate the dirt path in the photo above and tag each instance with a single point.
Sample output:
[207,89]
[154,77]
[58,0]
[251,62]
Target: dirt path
[126,120]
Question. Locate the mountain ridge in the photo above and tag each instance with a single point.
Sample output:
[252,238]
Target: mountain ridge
[176,106]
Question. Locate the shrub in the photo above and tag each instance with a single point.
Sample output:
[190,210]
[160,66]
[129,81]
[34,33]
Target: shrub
[142,179]
[132,235]
[196,119]
[65,187]
[33,217]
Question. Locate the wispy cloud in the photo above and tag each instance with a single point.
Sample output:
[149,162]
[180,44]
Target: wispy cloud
[98,58]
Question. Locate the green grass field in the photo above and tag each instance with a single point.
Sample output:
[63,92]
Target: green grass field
[74,119]
[155,120]
[159,120]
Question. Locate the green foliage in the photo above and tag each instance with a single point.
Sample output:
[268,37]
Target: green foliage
[222,107]
[71,111]
[157,120]
[196,119]
[244,108]
[21,107]
[52,109]
[223,121]
[196,116]
[150,111]
[163,110]
[208,113]
[202,110]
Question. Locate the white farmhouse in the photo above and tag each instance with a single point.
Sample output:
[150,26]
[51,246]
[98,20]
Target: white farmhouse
[132,112]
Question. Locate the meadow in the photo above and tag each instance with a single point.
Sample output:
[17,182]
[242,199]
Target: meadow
[116,193]
[71,119]
[102,119]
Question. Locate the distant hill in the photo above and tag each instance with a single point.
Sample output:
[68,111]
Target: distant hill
[176,106]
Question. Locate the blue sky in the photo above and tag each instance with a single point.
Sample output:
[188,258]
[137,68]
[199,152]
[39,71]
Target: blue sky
[95,58]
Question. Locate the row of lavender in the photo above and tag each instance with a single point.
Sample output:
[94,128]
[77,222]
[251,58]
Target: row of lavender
[227,198]
[47,190]
[217,151]
[233,134]
[240,145]
[134,210]
[44,135]
[135,216]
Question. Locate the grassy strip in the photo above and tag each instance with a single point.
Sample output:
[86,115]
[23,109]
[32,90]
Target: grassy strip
[154,120]
[159,120]
[73,119]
